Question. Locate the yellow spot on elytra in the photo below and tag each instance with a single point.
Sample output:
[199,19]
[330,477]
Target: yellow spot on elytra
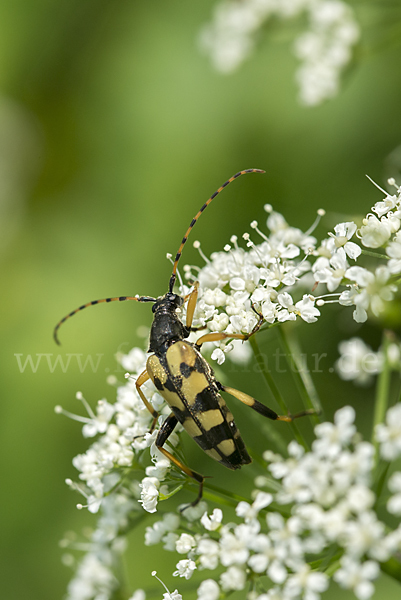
[210,418]
[155,369]
[213,454]
[193,385]
[192,428]
[227,447]
[180,352]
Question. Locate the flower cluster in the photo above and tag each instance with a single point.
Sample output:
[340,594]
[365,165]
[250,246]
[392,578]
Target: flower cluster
[324,49]
[359,363]
[322,508]
[317,503]
[95,572]
[273,279]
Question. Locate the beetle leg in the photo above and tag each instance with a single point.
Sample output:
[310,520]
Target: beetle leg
[165,430]
[261,408]
[142,378]
[192,299]
[217,336]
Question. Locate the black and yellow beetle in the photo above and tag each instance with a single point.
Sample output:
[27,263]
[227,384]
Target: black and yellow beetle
[185,379]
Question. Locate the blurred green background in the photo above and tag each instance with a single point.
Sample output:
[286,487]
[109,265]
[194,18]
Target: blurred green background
[114,130]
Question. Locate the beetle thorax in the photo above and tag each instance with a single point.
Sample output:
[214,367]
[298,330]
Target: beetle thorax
[166,327]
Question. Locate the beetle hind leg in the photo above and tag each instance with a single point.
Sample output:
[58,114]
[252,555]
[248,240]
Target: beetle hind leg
[261,408]
[165,431]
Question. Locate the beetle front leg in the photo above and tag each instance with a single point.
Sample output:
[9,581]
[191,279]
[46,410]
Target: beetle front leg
[164,432]
[192,299]
[221,335]
[143,378]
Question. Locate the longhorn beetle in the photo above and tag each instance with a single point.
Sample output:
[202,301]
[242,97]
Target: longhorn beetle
[186,380]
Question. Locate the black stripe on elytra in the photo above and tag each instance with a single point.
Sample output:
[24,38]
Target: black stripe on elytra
[205,400]
[182,415]
[204,442]
[169,385]
[237,458]
[158,384]
[186,370]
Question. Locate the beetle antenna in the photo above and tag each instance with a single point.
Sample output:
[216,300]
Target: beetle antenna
[184,239]
[117,299]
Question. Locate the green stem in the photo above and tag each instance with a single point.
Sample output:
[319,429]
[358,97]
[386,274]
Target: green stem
[274,389]
[266,375]
[374,254]
[302,377]
[382,470]
[382,388]
[233,498]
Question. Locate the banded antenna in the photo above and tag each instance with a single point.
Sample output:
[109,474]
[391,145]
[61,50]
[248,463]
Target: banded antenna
[184,239]
[177,258]
[117,299]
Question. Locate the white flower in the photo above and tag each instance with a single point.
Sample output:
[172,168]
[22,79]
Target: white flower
[185,543]
[154,534]
[251,511]
[360,498]
[208,590]
[169,541]
[393,250]
[209,552]
[372,291]
[307,310]
[331,438]
[138,595]
[331,272]
[218,355]
[306,582]
[160,467]
[214,521]
[343,233]
[364,536]
[172,596]
[134,361]
[267,558]
[150,493]
[389,435]
[357,576]
[384,206]
[193,513]
[374,233]
[233,579]
[185,568]
[93,579]
[358,362]
[323,49]
[233,548]
[287,313]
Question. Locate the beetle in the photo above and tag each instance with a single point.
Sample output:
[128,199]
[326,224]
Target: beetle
[185,379]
